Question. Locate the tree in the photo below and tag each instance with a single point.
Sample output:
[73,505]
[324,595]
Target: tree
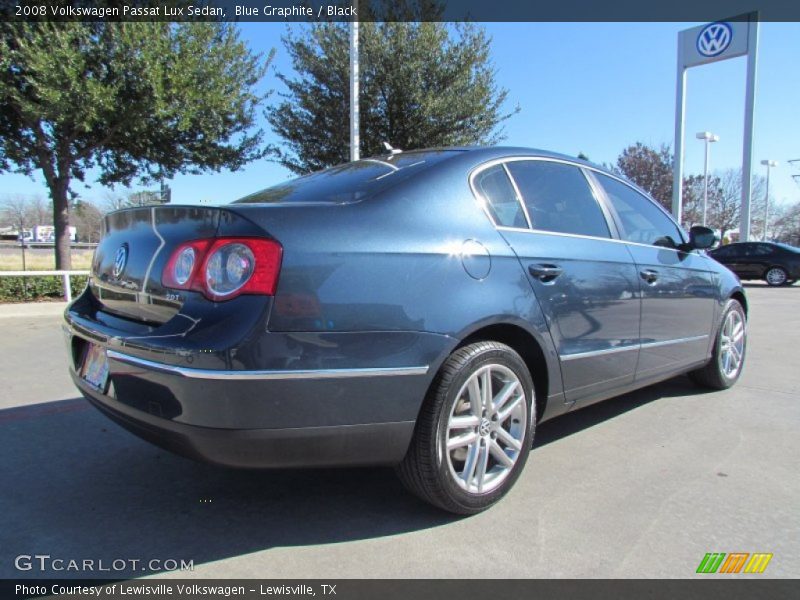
[16,211]
[650,169]
[422,84]
[787,224]
[129,100]
[23,212]
[88,221]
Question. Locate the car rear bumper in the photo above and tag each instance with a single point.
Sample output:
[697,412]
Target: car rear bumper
[325,446]
[352,399]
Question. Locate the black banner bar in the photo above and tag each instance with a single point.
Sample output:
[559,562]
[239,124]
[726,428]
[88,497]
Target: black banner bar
[729,588]
[311,11]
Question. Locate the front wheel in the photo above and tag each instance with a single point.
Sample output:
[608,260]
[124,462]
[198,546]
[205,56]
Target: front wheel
[725,366]
[776,276]
[474,431]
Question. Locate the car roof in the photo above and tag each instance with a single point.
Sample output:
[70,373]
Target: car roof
[481,154]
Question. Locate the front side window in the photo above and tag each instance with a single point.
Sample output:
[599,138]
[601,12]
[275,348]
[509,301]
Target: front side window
[558,198]
[495,189]
[641,220]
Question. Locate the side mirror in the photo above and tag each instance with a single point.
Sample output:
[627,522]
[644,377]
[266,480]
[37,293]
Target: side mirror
[701,238]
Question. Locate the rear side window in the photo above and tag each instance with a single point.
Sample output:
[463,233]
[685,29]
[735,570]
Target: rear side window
[759,250]
[494,187]
[642,221]
[558,198]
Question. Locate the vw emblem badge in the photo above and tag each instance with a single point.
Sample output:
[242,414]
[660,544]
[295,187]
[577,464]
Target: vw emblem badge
[714,39]
[120,260]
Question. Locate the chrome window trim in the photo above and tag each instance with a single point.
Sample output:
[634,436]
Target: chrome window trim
[644,194]
[266,375]
[495,161]
[642,346]
[518,194]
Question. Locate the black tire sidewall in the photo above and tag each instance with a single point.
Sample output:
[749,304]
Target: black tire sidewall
[494,355]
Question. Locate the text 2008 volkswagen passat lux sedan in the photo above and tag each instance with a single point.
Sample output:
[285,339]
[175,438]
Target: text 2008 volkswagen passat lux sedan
[424,310]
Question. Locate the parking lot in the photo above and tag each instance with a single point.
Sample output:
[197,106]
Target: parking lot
[641,486]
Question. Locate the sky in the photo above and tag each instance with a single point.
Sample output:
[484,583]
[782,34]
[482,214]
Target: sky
[581,87]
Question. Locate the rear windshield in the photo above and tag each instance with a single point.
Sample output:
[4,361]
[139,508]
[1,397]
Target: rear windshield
[350,182]
[788,247]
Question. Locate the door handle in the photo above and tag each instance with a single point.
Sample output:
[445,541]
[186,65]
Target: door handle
[544,273]
[649,275]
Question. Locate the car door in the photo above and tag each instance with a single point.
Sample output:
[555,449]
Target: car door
[729,256]
[760,258]
[585,282]
[678,288]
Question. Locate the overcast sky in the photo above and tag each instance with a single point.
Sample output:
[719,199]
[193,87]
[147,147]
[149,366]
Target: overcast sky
[590,87]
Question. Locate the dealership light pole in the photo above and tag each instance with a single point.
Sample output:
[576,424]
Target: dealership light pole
[709,138]
[355,142]
[769,164]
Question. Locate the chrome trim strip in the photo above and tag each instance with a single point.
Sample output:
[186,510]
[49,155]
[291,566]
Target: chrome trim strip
[266,375]
[506,159]
[644,346]
[686,340]
[518,194]
[593,353]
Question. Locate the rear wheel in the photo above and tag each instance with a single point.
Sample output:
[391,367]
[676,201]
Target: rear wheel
[474,431]
[725,366]
[776,276]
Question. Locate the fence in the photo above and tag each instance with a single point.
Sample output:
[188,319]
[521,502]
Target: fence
[65,278]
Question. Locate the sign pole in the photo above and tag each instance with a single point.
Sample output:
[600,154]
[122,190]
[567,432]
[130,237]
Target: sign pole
[677,168]
[749,109]
[355,141]
[706,44]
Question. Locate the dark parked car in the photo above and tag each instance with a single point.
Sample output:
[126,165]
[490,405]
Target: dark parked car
[424,310]
[777,264]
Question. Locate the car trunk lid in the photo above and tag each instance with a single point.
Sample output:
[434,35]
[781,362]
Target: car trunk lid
[130,258]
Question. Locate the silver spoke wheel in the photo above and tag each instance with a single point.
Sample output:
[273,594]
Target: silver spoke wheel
[776,276]
[486,429]
[731,344]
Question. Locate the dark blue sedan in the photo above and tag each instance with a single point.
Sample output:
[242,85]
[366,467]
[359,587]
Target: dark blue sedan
[423,310]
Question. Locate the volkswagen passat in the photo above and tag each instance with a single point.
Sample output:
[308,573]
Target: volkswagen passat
[424,310]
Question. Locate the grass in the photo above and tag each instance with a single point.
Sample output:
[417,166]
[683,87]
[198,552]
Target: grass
[81,260]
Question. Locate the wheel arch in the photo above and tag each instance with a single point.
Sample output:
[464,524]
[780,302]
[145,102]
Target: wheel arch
[739,296]
[527,346]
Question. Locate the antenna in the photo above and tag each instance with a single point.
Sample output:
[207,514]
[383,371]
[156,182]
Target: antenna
[391,150]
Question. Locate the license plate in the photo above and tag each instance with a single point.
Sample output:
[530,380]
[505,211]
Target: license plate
[94,369]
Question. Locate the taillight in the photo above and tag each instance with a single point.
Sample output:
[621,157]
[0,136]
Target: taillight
[223,268]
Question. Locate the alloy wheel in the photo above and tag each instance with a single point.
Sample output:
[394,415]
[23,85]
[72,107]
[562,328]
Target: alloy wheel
[776,276]
[486,429]
[732,340]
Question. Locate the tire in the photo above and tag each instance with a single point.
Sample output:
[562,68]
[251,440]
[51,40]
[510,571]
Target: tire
[719,374]
[443,477]
[776,276]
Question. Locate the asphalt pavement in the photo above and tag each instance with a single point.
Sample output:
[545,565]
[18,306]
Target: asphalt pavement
[641,486]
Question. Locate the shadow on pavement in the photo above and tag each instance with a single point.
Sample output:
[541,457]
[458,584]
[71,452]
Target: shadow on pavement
[583,418]
[78,486]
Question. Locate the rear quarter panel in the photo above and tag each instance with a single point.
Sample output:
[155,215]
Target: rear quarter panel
[395,264]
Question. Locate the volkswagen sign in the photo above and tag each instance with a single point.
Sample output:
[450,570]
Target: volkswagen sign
[714,39]
[120,260]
